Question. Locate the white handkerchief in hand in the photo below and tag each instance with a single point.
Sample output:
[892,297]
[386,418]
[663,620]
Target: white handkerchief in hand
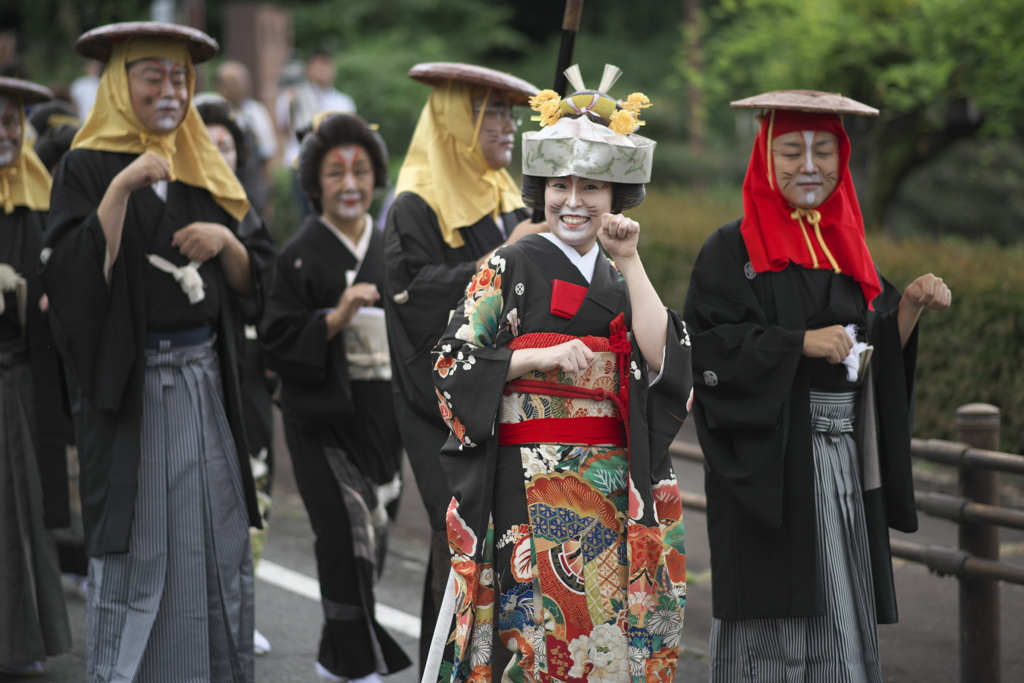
[852,361]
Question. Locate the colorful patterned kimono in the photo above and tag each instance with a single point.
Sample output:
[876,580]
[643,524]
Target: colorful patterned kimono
[566,527]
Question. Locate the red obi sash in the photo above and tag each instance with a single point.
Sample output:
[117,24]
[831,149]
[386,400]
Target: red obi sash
[589,431]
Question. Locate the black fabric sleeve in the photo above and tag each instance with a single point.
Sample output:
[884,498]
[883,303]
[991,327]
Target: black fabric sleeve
[894,393]
[744,366]
[666,404]
[254,236]
[469,370]
[744,371]
[293,333]
[92,321]
[423,282]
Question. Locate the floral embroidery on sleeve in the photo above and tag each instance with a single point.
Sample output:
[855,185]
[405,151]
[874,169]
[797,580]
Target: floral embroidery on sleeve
[454,424]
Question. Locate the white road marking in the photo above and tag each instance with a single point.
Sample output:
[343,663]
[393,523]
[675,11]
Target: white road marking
[307,587]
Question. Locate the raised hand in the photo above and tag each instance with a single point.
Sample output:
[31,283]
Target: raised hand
[147,169]
[619,235]
[928,291]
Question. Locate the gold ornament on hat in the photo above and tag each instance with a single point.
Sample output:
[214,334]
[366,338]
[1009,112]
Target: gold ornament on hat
[623,117]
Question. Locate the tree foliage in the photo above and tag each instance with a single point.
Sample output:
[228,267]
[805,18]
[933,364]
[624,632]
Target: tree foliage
[939,70]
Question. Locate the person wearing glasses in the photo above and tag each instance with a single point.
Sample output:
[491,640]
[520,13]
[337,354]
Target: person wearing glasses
[454,205]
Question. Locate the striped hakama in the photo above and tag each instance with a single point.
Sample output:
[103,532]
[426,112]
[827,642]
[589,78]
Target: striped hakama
[178,606]
[840,646]
[33,617]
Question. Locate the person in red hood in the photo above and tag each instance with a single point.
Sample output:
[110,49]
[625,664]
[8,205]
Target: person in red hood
[803,363]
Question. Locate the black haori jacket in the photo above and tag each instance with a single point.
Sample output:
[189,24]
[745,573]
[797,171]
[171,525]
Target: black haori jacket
[100,328]
[752,412]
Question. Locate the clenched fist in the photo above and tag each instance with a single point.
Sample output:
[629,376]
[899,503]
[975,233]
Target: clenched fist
[619,235]
[928,291]
[147,169]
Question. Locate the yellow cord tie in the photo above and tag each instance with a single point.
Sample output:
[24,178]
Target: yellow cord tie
[814,218]
[768,144]
[8,197]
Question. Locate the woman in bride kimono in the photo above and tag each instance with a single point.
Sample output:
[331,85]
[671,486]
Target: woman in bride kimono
[563,379]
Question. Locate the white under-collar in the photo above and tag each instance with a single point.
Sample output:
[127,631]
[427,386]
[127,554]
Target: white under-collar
[359,248]
[585,263]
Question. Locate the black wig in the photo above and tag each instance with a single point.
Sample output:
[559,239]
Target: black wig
[336,130]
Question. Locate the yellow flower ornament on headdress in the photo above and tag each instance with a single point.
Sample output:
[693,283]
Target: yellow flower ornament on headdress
[623,117]
[600,145]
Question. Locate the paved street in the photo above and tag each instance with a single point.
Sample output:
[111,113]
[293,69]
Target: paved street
[922,647]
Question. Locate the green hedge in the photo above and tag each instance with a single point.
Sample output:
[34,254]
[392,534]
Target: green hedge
[972,352]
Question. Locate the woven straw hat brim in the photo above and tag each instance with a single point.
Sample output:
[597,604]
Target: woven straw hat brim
[30,92]
[813,101]
[99,42]
[436,73]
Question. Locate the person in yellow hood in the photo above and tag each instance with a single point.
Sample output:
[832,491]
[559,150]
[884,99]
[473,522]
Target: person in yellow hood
[146,272]
[454,204]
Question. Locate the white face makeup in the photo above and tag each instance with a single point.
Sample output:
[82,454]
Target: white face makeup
[573,207]
[346,184]
[10,130]
[806,166]
[159,93]
[225,144]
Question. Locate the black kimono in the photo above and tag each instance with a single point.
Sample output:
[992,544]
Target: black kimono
[424,279]
[100,328]
[753,418]
[343,438]
[33,468]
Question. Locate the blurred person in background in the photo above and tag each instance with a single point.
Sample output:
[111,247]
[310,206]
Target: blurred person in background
[324,334]
[33,472]
[83,88]
[297,104]
[235,85]
[56,124]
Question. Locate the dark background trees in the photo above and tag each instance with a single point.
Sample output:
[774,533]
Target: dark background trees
[948,76]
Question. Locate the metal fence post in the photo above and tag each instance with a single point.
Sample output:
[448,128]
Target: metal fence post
[977,425]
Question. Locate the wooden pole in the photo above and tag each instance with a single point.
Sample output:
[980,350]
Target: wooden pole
[977,424]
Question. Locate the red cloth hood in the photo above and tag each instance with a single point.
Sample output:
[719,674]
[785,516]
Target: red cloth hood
[773,236]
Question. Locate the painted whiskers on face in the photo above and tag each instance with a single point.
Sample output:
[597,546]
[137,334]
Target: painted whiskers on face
[806,166]
[573,207]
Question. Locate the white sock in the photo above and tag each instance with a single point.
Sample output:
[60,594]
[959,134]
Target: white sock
[369,678]
[323,673]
